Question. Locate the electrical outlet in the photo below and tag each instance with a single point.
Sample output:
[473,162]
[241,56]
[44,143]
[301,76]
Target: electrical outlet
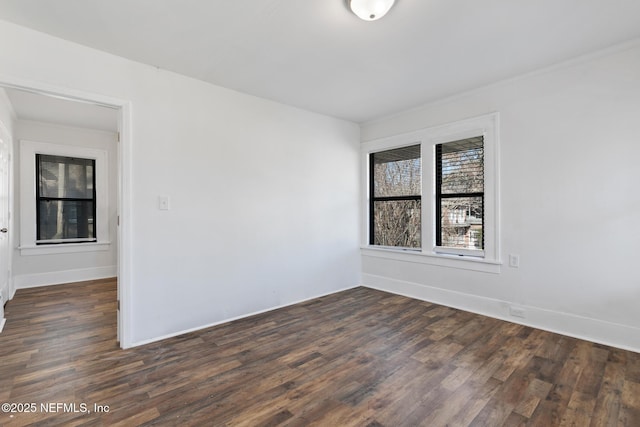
[517,311]
[163,203]
[514,260]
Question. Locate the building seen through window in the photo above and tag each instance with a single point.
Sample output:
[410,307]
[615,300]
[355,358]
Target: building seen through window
[460,194]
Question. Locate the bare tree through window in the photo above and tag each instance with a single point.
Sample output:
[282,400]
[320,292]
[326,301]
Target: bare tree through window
[395,199]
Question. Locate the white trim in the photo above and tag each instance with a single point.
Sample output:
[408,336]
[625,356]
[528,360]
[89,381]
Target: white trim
[442,260]
[486,125]
[231,319]
[66,248]
[595,330]
[25,281]
[28,151]
[2,318]
[125,226]
[124,186]
[10,200]
[445,250]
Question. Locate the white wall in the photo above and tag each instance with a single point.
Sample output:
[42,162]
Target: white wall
[38,270]
[263,197]
[570,144]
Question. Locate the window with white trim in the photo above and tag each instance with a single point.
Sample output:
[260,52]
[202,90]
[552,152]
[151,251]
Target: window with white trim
[65,199]
[395,199]
[451,209]
[64,202]
[459,201]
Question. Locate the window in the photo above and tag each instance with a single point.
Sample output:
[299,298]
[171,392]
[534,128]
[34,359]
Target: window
[459,201]
[65,199]
[434,194]
[395,200]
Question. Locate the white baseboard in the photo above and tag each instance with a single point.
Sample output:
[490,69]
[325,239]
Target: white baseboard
[599,331]
[231,319]
[2,322]
[66,276]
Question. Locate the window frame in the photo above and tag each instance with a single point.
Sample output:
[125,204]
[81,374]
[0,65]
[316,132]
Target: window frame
[41,198]
[489,260]
[28,198]
[439,197]
[373,199]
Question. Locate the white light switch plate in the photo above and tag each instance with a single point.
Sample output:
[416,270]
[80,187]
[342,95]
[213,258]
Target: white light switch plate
[514,261]
[163,203]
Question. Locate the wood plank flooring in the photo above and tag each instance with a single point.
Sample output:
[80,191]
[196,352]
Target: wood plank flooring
[356,358]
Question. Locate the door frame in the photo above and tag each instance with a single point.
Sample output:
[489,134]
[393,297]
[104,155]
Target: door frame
[4,131]
[124,185]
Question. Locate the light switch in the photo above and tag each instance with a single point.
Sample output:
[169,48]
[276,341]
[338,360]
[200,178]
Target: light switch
[163,203]
[514,261]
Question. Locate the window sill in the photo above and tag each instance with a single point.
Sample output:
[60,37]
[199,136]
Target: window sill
[65,248]
[441,260]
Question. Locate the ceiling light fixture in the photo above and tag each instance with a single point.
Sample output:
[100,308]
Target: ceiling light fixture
[370,10]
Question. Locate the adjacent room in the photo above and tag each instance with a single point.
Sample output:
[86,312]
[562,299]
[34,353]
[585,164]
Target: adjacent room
[346,212]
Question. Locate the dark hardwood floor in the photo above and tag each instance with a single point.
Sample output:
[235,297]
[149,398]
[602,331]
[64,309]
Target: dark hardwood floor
[357,358]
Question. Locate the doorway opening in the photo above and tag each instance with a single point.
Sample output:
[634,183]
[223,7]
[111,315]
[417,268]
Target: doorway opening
[71,125]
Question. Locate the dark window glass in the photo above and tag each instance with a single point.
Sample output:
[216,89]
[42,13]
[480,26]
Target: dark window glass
[460,194]
[66,199]
[395,197]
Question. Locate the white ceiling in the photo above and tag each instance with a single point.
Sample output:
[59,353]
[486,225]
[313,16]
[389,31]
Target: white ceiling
[316,55]
[41,108]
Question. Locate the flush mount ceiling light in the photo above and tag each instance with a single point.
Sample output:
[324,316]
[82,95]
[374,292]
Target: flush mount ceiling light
[370,10]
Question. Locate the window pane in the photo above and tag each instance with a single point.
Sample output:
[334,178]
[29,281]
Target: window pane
[65,177]
[462,166]
[461,222]
[66,220]
[397,172]
[397,223]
